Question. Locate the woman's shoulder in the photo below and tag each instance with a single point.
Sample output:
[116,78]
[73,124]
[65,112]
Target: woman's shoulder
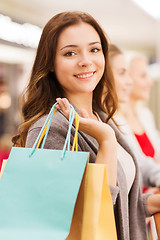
[144,112]
[58,129]
[146,117]
[38,123]
[58,119]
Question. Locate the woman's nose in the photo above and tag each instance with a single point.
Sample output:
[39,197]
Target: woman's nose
[84,61]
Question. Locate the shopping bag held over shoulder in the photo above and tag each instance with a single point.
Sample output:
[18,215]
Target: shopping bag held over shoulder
[39,188]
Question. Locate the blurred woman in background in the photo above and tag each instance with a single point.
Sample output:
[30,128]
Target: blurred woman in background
[128,106]
[140,118]
[138,125]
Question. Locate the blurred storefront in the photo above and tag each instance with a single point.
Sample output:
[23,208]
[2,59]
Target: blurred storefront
[18,43]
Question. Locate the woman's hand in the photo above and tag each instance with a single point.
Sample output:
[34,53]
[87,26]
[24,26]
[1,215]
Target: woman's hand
[153,204]
[100,131]
[103,133]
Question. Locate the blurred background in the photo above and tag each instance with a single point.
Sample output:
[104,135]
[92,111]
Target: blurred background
[126,22]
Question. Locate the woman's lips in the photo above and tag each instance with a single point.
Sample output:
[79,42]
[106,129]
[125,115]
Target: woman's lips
[84,75]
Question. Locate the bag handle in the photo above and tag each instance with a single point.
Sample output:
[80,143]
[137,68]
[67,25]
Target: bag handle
[46,126]
[75,141]
[42,134]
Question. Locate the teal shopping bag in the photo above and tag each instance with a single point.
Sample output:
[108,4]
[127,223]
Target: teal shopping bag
[38,190]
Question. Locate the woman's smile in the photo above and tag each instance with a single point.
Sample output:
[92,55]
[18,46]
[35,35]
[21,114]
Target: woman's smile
[85,75]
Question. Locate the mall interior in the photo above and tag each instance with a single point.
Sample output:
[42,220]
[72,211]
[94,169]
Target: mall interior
[127,25]
[132,25]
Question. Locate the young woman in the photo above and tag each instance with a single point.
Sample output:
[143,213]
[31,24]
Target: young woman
[127,88]
[72,62]
[125,85]
[141,119]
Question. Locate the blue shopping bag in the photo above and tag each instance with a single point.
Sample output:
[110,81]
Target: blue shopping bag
[39,188]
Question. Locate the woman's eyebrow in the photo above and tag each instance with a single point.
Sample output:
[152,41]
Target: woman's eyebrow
[72,45]
[92,43]
[67,46]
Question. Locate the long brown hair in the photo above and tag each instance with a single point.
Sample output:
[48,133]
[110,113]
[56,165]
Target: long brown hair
[43,87]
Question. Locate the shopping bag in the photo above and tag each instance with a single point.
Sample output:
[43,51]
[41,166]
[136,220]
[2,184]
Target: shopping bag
[98,214]
[77,219]
[93,217]
[157,223]
[38,189]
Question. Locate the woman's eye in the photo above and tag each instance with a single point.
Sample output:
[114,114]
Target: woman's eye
[95,50]
[70,54]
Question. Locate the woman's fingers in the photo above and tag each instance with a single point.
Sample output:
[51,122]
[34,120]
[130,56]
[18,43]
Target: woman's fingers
[98,130]
[63,105]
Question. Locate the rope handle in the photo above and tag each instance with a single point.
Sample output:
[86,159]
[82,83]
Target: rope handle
[45,129]
[75,141]
[43,133]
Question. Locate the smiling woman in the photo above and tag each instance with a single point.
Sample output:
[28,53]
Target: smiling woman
[67,60]
[79,63]
[72,65]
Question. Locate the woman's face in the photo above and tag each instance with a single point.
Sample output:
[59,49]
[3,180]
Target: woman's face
[122,80]
[79,62]
[141,82]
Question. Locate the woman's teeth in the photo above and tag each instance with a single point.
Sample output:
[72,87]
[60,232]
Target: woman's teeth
[85,75]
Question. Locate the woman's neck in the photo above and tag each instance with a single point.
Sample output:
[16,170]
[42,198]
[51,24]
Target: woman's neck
[128,109]
[132,107]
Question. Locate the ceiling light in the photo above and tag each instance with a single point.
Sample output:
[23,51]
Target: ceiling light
[26,34]
[5,100]
[151,7]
